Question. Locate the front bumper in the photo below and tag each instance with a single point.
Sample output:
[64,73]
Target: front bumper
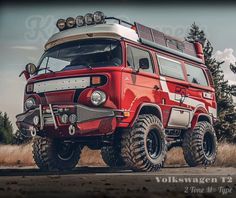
[89,121]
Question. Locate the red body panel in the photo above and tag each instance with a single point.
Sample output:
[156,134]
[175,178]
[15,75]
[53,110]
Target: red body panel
[127,90]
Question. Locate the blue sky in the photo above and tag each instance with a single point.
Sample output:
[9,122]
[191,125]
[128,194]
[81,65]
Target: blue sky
[24,31]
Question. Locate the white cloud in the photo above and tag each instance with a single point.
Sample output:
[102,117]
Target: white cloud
[232,82]
[226,55]
[25,47]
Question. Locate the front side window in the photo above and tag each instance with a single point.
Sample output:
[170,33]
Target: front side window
[136,57]
[196,75]
[170,68]
[82,54]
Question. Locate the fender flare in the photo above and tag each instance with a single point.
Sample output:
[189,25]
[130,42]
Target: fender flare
[198,116]
[157,107]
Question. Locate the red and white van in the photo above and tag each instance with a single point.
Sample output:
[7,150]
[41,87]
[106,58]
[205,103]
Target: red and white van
[126,89]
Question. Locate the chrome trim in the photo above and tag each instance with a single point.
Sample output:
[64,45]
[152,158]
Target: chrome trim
[61,84]
[41,117]
[53,117]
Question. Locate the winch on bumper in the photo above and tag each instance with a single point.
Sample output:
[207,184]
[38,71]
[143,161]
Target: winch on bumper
[67,121]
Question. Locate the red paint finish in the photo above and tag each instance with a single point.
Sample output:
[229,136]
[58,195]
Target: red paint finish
[127,90]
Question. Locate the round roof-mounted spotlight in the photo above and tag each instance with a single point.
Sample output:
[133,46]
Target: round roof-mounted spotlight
[70,22]
[61,24]
[88,18]
[98,17]
[79,21]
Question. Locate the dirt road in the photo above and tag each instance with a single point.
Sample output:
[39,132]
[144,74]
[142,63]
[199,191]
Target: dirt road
[104,182]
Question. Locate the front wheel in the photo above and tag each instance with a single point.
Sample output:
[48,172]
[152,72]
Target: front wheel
[111,156]
[200,145]
[144,146]
[51,154]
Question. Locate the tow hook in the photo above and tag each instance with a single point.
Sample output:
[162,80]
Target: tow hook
[33,131]
[71,130]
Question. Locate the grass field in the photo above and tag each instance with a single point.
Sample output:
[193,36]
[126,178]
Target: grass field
[11,155]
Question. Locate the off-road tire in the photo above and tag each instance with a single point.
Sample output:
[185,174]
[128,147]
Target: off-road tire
[46,157]
[111,155]
[134,144]
[193,148]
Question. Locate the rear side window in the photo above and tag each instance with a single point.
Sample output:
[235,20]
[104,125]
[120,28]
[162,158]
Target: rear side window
[134,55]
[196,75]
[170,68]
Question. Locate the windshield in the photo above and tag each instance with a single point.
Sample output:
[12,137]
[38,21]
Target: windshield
[82,54]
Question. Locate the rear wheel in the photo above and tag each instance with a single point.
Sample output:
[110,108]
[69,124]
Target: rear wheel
[200,145]
[51,154]
[144,146]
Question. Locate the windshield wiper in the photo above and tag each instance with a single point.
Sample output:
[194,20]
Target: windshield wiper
[46,68]
[89,66]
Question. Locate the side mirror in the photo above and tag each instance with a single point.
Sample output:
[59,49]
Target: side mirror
[143,63]
[31,68]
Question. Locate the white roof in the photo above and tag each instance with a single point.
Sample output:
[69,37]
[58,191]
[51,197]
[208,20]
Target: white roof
[92,31]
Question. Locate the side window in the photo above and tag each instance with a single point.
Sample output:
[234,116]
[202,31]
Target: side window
[130,61]
[196,75]
[170,68]
[137,57]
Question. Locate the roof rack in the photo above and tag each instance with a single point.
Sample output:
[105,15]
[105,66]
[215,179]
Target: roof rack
[120,21]
[159,40]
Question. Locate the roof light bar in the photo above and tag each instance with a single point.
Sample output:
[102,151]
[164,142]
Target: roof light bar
[97,17]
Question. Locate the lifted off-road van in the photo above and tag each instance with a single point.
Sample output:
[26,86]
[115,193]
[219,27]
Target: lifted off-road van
[126,89]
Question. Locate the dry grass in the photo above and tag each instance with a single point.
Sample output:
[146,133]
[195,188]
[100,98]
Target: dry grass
[12,155]
[22,156]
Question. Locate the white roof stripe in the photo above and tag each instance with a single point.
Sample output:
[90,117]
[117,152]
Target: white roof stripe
[100,30]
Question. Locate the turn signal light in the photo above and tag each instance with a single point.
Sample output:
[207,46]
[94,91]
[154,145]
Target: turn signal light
[96,80]
[126,113]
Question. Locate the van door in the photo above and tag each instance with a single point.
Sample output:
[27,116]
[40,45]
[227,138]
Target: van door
[176,112]
[138,85]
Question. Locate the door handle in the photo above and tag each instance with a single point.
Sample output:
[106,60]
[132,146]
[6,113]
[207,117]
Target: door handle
[156,87]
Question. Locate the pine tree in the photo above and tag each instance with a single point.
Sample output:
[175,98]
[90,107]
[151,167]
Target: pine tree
[6,129]
[233,67]
[233,87]
[225,125]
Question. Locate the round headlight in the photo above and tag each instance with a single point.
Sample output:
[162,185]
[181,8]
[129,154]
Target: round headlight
[29,103]
[79,21]
[98,97]
[98,17]
[70,22]
[64,118]
[72,118]
[88,18]
[61,24]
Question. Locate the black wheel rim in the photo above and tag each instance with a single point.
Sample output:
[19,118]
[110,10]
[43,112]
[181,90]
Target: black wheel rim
[208,144]
[65,150]
[153,144]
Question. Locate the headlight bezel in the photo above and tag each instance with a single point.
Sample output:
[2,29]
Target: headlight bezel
[61,24]
[70,22]
[86,17]
[29,103]
[79,19]
[98,14]
[95,97]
